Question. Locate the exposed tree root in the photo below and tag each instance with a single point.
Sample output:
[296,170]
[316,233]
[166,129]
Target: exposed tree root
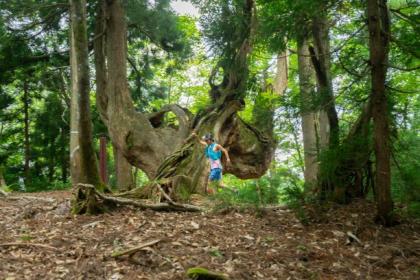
[91,194]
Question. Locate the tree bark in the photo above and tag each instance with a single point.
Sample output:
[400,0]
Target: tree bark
[74,117]
[123,171]
[321,59]
[88,162]
[2,180]
[282,74]
[309,130]
[63,158]
[379,35]
[27,170]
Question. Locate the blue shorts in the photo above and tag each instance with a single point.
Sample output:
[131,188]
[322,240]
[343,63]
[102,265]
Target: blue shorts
[215,174]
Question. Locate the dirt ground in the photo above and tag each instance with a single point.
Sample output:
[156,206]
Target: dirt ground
[346,244]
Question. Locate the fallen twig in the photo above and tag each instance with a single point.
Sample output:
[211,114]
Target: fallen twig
[29,245]
[135,249]
[353,237]
[92,224]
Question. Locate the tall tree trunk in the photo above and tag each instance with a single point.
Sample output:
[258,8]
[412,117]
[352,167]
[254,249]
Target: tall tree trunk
[74,117]
[320,54]
[379,34]
[122,171]
[88,162]
[27,170]
[309,130]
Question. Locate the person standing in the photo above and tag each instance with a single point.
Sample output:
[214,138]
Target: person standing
[213,152]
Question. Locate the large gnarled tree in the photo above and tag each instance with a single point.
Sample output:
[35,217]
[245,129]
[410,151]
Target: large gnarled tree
[166,154]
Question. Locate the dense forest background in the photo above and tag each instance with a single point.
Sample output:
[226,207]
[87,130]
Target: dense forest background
[309,85]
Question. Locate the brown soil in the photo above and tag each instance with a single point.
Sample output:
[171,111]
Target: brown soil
[272,245]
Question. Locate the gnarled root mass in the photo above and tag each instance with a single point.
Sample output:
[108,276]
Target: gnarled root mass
[90,201]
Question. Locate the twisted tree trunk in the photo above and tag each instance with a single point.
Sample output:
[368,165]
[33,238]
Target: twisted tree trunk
[167,154]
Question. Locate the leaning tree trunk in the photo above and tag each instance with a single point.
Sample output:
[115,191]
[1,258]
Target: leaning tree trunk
[166,154]
[379,34]
[308,113]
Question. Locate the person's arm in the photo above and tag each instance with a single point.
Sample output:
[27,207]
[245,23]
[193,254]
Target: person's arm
[198,138]
[225,152]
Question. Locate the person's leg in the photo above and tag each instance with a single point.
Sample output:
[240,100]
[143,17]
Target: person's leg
[214,180]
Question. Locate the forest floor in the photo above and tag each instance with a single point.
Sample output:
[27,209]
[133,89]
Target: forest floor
[243,245]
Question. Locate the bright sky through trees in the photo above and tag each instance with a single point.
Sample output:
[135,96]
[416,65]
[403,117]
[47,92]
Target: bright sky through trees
[184,8]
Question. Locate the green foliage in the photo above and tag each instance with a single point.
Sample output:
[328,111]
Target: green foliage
[160,25]
[255,193]
[406,178]
[295,198]
[267,190]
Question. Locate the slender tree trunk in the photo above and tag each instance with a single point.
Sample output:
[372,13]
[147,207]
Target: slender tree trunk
[74,118]
[379,34]
[307,91]
[51,161]
[99,46]
[63,157]
[2,180]
[282,74]
[328,119]
[122,171]
[66,104]
[88,162]
[27,170]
